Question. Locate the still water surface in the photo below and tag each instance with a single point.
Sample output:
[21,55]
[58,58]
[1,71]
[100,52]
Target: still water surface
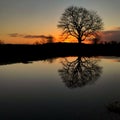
[71,88]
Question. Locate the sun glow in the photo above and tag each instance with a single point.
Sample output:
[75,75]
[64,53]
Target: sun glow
[40,39]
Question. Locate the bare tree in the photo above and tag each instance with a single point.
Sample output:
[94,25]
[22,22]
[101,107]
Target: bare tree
[79,22]
[50,39]
[96,37]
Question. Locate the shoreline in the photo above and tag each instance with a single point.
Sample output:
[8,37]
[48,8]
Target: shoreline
[25,53]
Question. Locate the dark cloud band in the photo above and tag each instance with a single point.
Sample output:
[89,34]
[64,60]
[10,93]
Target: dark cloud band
[30,36]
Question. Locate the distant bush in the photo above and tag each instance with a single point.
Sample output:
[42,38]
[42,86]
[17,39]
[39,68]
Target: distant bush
[114,107]
[1,42]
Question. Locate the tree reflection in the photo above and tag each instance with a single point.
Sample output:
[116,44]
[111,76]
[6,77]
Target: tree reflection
[80,72]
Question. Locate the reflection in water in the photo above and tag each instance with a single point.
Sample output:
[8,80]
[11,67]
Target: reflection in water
[34,91]
[80,72]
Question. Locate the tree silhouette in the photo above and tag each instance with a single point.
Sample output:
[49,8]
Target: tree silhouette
[80,72]
[1,42]
[79,22]
[96,37]
[50,39]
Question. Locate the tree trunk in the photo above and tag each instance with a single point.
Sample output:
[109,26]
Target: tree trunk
[79,40]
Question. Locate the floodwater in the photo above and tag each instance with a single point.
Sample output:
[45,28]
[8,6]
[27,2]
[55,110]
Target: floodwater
[71,88]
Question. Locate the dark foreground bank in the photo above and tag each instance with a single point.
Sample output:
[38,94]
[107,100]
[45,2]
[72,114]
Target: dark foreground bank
[25,53]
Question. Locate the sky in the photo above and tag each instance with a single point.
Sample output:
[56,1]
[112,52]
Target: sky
[29,21]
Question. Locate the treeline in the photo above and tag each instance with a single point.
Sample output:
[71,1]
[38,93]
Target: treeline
[110,42]
[24,53]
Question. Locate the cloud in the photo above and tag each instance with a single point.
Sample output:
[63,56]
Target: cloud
[15,35]
[30,36]
[117,28]
[111,35]
[38,36]
[34,36]
[114,28]
[49,38]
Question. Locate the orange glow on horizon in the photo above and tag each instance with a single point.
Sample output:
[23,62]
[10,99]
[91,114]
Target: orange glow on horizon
[20,39]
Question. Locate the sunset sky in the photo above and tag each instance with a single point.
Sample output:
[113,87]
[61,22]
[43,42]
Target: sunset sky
[38,19]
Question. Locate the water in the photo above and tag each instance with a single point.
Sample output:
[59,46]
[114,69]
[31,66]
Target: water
[71,88]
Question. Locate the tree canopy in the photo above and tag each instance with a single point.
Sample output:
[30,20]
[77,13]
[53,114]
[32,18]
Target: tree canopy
[80,22]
